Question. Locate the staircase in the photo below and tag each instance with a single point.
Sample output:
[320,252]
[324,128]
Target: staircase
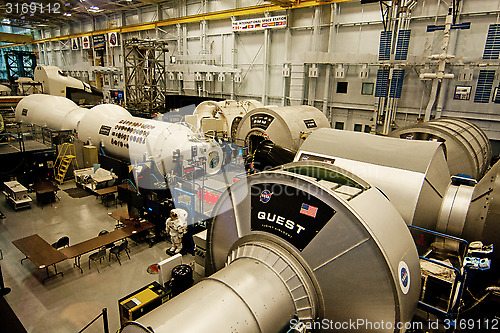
[65,159]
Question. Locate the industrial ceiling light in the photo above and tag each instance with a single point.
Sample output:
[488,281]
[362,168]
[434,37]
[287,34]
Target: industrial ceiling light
[67,14]
[95,9]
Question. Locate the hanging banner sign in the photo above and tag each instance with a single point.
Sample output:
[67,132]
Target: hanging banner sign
[86,42]
[99,41]
[113,39]
[74,44]
[260,23]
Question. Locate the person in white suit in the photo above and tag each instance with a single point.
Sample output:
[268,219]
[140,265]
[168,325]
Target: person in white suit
[176,228]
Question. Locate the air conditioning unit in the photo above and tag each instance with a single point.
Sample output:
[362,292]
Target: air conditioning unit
[466,74]
[364,72]
[286,70]
[313,71]
[340,72]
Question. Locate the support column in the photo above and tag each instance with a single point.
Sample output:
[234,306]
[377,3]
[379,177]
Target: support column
[326,92]
[288,37]
[234,60]
[265,65]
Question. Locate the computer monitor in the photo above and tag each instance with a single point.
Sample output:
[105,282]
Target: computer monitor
[152,207]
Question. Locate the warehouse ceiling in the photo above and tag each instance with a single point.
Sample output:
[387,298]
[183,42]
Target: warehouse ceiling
[13,13]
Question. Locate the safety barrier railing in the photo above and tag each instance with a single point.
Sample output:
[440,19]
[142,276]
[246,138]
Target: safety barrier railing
[105,323]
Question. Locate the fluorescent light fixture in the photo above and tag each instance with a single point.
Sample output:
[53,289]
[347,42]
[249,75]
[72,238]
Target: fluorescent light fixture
[95,9]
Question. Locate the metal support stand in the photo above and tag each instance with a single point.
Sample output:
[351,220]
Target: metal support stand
[53,275]
[3,289]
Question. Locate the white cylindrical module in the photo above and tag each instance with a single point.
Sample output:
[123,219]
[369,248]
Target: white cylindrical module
[231,298]
[413,174]
[137,139]
[468,149]
[229,112]
[46,110]
[308,240]
[285,126]
[120,134]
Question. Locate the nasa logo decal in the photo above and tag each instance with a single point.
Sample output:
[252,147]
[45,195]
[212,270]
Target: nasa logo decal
[404,277]
[265,196]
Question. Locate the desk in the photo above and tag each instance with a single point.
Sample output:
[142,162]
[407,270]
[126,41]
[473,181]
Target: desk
[107,193]
[107,190]
[45,192]
[120,214]
[41,253]
[76,251]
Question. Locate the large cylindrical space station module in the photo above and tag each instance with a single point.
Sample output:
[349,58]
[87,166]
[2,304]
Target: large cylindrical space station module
[468,149]
[285,126]
[224,115]
[120,134]
[309,241]
[415,177]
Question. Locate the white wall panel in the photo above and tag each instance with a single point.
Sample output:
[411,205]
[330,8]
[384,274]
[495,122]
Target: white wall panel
[357,31]
[354,13]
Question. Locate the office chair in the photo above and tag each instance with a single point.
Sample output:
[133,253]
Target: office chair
[117,249]
[109,246]
[61,242]
[99,255]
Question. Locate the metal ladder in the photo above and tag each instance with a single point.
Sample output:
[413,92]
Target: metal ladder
[64,160]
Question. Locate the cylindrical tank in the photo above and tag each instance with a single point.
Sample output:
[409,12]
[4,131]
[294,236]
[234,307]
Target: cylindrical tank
[120,134]
[46,110]
[137,139]
[230,112]
[413,174]
[321,243]
[286,126]
[236,299]
[468,149]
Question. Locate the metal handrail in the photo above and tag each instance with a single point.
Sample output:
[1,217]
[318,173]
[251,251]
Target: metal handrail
[104,315]
[436,233]
[460,275]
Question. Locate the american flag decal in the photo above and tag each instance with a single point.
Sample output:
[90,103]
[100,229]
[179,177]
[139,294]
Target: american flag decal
[308,210]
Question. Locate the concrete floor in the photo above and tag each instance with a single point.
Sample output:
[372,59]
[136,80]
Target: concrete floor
[68,303]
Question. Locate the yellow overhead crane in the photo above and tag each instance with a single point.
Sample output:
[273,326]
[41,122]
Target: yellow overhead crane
[277,5]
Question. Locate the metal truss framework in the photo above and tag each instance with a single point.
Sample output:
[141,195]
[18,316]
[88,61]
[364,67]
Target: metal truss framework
[145,75]
[20,64]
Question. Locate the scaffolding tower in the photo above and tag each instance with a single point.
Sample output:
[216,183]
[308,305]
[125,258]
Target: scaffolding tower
[20,64]
[145,76]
